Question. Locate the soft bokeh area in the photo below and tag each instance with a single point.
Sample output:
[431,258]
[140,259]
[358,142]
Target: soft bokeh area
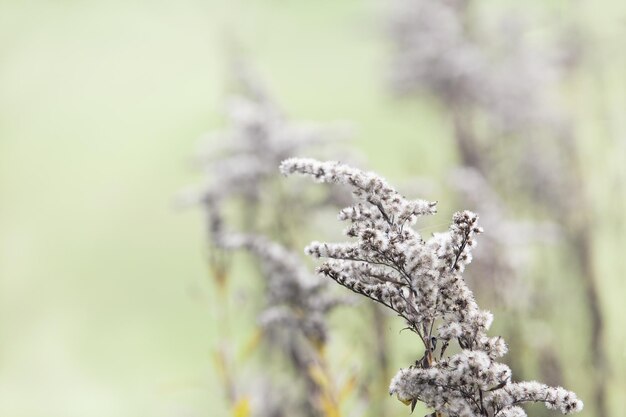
[106,303]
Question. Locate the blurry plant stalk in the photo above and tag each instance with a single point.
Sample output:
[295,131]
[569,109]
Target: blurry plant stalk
[219,270]
[241,165]
[443,48]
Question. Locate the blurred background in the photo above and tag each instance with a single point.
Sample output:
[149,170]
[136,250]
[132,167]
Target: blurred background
[106,308]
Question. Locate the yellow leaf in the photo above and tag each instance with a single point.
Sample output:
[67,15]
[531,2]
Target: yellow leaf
[242,408]
[347,388]
[319,377]
[220,364]
[405,402]
[252,344]
[319,346]
[329,408]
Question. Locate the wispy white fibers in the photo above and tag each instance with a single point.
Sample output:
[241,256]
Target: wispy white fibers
[421,280]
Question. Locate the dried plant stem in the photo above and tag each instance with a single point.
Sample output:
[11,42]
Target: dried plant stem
[301,364]
[582,239]
[320,400]
[469,150]
[381,353]
[581,235]
[327,400]
[220,274]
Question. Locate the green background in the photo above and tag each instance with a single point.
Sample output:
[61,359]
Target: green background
[105,305]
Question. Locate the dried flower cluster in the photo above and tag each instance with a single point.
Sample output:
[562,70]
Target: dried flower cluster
[297,301]
[293,319]
[421,280]
[437,49]
[483,70]
[239,162]
[244,169]
[240,166]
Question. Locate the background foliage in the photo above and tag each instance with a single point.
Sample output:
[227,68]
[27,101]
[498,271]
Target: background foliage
[105,306]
